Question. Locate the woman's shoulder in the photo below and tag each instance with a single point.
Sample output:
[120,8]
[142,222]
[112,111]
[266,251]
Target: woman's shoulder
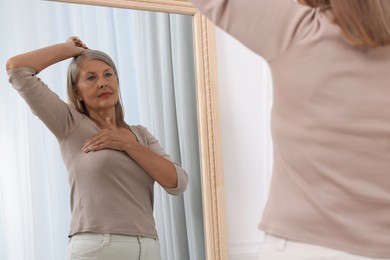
[267,27]
[138,128]
[141,132]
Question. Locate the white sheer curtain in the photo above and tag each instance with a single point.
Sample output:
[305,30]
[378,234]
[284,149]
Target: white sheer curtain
[34,203]
[165,55]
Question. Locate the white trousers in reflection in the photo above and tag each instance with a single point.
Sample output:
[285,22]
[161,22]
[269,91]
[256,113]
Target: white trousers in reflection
[275,248]
[91,246]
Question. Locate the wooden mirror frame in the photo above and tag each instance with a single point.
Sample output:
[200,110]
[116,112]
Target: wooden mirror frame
[213,195]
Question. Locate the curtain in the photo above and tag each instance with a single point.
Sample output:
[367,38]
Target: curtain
[34,193]
[165,54]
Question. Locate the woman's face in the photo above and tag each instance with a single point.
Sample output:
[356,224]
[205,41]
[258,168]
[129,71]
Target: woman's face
[97,85]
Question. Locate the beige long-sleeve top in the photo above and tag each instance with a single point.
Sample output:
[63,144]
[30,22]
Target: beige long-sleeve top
[110,193]
[330,125]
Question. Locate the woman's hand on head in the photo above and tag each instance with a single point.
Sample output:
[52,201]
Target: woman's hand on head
[75,43]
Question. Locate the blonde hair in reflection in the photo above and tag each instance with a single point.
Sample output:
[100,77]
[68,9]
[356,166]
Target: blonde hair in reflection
[363,22]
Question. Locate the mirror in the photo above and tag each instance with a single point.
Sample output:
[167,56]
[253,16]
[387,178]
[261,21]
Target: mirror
[207,115]
[20,176]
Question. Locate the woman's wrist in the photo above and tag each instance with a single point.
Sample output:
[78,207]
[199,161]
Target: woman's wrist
[132,147]
[69,51]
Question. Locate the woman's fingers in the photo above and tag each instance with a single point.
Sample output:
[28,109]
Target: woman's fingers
[112,138]
[94,140]
[77,42]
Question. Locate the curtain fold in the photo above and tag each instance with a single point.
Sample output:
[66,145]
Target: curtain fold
[34,192]
[185,97]
[165,58]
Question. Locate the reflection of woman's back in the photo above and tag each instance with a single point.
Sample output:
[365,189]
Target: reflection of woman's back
[112,166]
[330,122]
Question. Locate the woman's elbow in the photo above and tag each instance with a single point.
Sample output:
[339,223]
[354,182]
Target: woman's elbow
[11,64]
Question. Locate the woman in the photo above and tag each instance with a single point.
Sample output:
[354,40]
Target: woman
[112,166]
[330,60]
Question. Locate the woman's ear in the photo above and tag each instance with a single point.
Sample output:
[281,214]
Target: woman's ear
[76,93]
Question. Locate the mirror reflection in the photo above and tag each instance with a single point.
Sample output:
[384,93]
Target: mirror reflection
[154,56]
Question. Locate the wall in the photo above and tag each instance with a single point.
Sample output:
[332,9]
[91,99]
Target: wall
[245,100]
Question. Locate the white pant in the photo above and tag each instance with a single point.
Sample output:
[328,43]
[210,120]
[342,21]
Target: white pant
[90,246]
[275,248]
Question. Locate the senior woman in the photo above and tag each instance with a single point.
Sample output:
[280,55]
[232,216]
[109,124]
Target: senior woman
[112,166]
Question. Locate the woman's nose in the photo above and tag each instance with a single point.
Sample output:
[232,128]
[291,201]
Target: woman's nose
[102,83]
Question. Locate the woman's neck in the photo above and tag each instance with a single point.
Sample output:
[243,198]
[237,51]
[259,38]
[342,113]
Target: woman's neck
[100,116]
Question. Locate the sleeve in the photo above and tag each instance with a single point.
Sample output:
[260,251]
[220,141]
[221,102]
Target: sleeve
[182,176]
[44,103]
[267,27]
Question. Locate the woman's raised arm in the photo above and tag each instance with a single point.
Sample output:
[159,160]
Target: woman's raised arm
[42,58]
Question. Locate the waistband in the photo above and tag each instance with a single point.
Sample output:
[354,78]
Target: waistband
[111,237]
